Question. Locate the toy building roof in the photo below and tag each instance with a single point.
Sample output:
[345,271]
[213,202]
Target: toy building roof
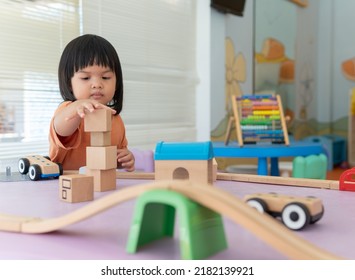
[183,151]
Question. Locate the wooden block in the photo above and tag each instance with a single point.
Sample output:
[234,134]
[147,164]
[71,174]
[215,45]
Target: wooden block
[104,180]
[76,188]
[100,139]
[215,169]
[197,171]
[101,158]
[98,121]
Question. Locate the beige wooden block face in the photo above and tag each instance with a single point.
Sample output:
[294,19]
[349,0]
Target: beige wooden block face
[104,180]
[98,121]
[215,169]
[198,171]
[100,139]
[101,158]
[76,188]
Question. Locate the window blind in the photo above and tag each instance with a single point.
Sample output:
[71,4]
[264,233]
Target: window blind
[156,44]
[33,35]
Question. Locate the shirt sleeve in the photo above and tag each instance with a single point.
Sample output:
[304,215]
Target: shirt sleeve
[119,133]
[57,144]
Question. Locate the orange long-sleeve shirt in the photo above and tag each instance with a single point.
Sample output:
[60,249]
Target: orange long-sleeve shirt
[70,151]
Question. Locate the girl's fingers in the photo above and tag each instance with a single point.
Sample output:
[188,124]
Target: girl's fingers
[81,112]
[87,106]
[126,159]
[101,106]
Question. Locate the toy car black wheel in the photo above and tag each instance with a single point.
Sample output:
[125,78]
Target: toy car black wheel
[34,172]
[23,165]
[318,216]
[60,166]
[258,204]
[295,216]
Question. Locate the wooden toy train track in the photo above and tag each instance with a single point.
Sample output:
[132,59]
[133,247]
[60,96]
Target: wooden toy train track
[263,226]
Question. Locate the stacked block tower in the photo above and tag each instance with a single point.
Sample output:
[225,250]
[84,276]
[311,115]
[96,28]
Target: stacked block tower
[101,157]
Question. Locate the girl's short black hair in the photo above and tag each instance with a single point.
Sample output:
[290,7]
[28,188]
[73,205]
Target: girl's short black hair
[88,50]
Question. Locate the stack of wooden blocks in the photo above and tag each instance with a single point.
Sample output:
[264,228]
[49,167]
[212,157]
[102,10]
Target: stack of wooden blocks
[101,157]
[101,162]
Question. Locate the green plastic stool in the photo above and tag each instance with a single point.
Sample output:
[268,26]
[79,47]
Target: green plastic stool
[312,167]
[201,229]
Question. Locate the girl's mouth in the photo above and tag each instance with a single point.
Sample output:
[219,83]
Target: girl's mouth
[96,95]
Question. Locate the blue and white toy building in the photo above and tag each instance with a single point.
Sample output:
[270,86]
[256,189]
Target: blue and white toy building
[184,161]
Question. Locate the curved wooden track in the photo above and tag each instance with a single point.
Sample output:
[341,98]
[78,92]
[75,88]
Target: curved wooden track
[263,226]
[275,180]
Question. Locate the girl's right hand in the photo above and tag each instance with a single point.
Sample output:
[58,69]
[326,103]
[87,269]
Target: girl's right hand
[67,120]
[82,107]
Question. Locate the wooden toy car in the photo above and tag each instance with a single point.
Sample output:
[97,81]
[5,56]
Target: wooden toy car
[39,167]
[295,212]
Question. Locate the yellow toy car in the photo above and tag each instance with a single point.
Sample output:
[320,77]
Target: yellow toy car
[39,167]
[295,212]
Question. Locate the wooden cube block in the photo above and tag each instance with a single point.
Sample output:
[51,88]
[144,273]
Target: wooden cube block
[215,169]
[101,158]
[197,171]
[98,121]
[104,180]
[76,188]
[100,139]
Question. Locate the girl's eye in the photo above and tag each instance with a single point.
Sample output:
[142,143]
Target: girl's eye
[106,78]
[84,78]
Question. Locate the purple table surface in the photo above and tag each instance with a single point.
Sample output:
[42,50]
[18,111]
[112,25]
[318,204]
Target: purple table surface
[104,236]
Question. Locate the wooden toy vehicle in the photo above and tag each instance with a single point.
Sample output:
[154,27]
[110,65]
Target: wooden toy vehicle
[295,212]
[39,167]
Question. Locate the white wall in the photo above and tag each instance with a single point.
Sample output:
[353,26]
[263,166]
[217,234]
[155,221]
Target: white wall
[343,48]
[217,67]
[324,39]
[324,69]
[203,57]
[305,60]
[240,29]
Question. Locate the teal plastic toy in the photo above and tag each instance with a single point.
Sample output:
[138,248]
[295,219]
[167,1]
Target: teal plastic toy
[183,151]
[201,230]
[312,167]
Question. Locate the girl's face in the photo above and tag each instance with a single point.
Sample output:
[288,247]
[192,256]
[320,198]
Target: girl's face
[94,82]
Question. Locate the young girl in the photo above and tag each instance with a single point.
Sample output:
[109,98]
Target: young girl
[90,78]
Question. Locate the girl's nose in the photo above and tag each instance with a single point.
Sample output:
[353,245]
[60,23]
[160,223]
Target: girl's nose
[96,84]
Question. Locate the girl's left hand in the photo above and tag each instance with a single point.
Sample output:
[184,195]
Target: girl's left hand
[125,159]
